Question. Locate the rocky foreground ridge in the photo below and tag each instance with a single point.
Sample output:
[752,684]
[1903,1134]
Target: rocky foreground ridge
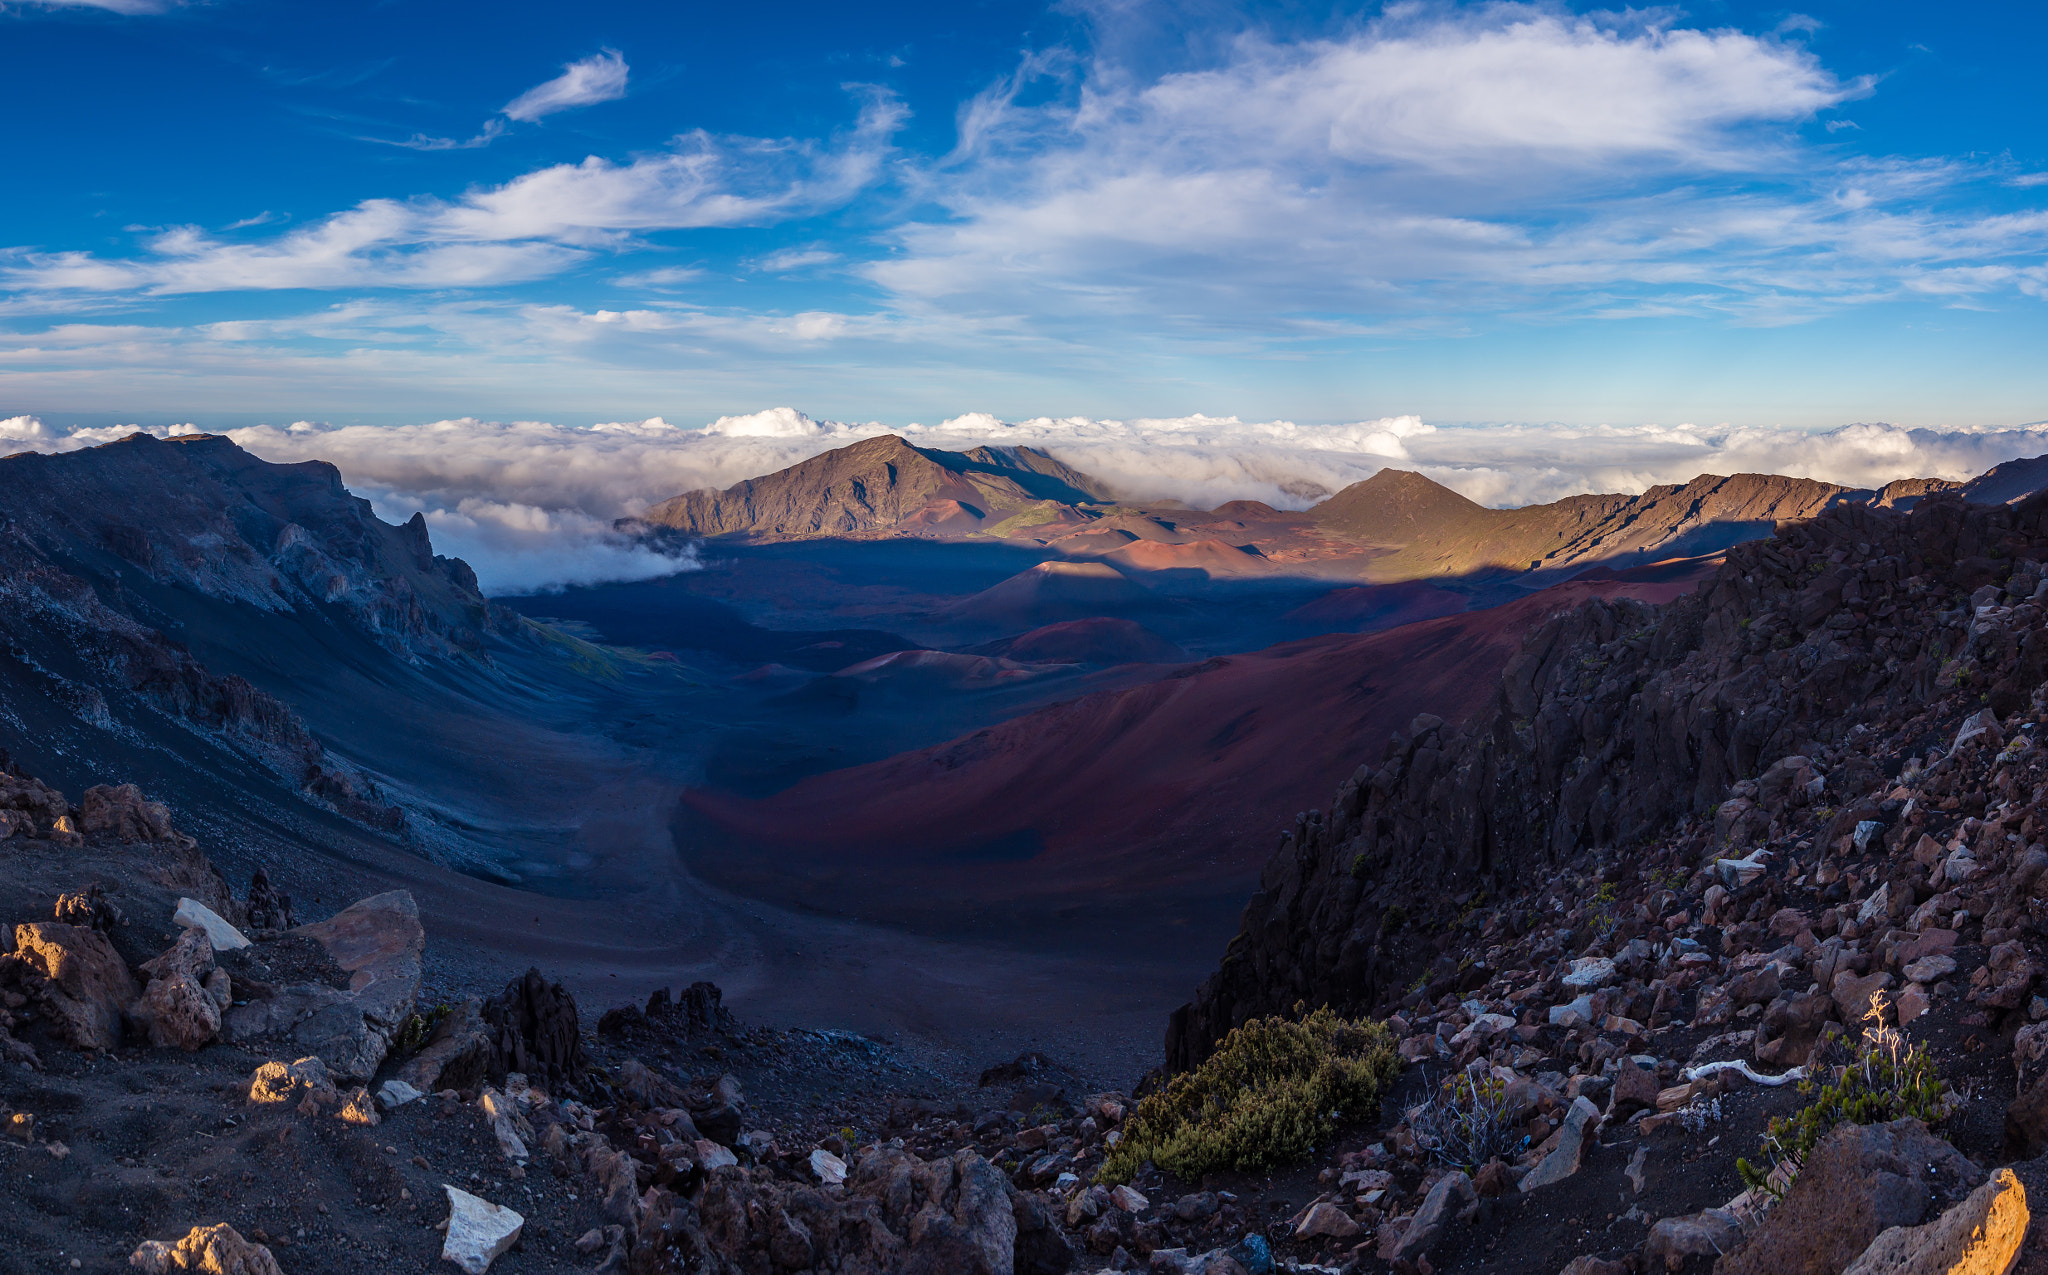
[191,1080]
[197,1081]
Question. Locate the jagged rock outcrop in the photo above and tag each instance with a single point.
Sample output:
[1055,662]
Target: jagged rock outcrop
[533,1030]
[1619,722]
[186,996]
[75,978]
[211,1250]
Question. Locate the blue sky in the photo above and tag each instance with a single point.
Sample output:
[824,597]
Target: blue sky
[250,211]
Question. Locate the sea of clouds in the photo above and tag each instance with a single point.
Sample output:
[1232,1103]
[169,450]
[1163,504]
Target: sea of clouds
[530,504]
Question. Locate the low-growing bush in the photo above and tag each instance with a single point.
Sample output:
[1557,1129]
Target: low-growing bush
[1887,1079]
[1273,1089]
[1468,1119]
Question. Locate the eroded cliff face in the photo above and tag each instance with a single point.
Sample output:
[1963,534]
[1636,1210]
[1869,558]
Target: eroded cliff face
[117,561]
[199,514]
[1854,637]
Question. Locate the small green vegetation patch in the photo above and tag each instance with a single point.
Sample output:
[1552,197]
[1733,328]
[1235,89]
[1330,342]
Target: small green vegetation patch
[1273,1090]
[1889,1079]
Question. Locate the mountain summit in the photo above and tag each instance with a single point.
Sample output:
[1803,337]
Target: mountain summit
[883,484]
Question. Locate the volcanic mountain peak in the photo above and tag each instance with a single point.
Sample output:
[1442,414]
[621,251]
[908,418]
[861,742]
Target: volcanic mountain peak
[1395,506]
[879,485]
[1433,531]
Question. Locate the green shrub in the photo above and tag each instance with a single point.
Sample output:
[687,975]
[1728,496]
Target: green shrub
[414,1032]
[1887,1080]
[1273,1090]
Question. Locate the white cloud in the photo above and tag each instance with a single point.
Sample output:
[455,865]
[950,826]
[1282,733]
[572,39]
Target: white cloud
[1498,158]
[530,504]
[796,259]
[538,224]
[585,82]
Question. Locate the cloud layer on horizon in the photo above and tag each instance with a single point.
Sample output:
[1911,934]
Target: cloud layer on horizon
[530,503]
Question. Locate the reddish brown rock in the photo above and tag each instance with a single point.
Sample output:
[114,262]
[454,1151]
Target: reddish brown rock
[176,1010]
[78,981]
[123,812]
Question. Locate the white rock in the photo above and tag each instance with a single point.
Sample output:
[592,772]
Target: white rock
[1582,1007]
[713,1156]
[1736,873]
[831,1170]
[1129,1199]
[1590,973]
[478,1231]
[396,1093]
[1877,905]
[1483,1027]
[194,915]
[1865,830]
[1982,722]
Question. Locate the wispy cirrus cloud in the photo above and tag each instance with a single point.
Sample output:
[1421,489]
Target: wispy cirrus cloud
[600,77]
[585,82]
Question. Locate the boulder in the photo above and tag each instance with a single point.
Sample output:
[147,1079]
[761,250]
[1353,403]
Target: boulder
[1980,1236]
[829,1169]
[1852,992]
[479,1232]
[196,915]
[1754,987]
[1708,1233]
[2026,1122]
[89,909]
[1452,1198]
[78,981]
[1635,1089]
[506,1124]
[214,1250]
[176,1010]
[1581,1121]
[122,811]
[269,908]
[393,1094]
[358,1108]
[1326,1219]
[1041,1248]
[380,943]
[1590,973]
[1791,1026]
[458,1055]
[1858,1182]
[304,1081]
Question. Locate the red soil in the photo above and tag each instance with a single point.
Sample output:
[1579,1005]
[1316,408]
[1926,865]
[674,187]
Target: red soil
[1378,606]
[1176,785]
[1212,556]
